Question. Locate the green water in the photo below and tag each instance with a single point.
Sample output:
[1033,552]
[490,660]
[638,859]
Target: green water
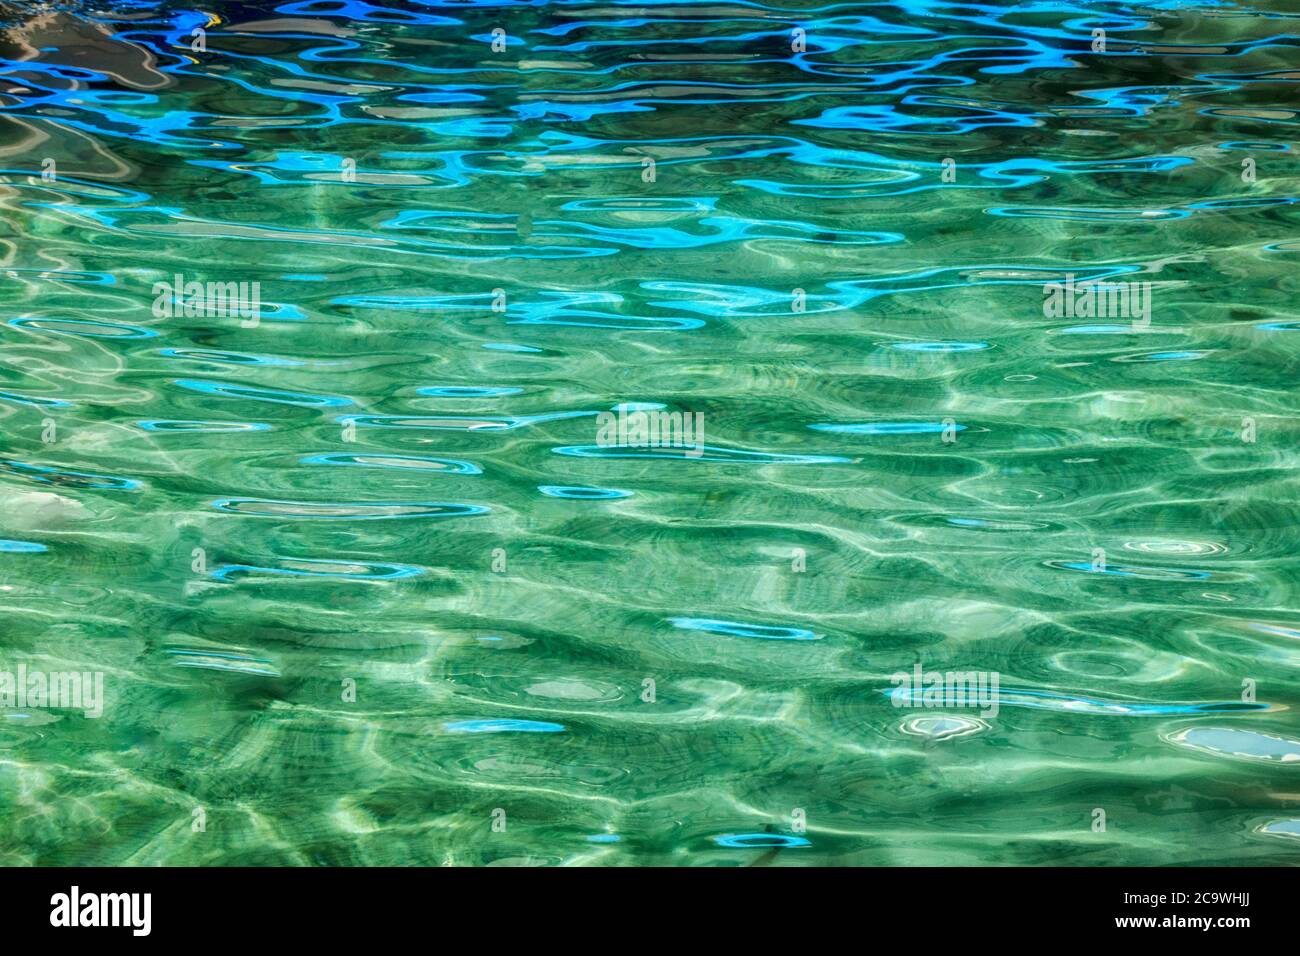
[340,619]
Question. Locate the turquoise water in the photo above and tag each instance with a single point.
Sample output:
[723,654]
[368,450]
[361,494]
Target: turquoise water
[373,570]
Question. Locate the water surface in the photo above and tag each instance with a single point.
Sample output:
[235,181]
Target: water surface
[366,587]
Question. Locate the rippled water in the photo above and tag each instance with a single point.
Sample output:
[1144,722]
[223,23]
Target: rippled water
[365,584]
